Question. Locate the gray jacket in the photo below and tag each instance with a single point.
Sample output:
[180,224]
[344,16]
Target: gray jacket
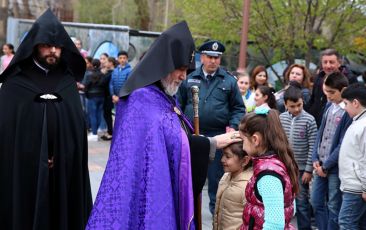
[352,157]
[301,132]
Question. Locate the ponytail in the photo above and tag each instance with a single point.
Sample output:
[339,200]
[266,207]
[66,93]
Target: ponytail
[269,92]
[278,142]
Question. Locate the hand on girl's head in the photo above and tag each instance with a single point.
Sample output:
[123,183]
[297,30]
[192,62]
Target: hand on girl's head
[226,139]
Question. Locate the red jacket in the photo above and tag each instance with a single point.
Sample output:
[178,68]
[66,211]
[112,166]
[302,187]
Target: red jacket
[253,215]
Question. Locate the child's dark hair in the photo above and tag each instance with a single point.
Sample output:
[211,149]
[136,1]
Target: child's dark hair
[112,60]
[104,54]
[293,92]
[237,149]
[89,59]
[10,47]
[355,91]
[273,139]
[336,80]
[122,52]
[269,92]
[96,63]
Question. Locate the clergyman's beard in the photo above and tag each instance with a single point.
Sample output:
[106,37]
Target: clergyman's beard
[169,87]
[48,64]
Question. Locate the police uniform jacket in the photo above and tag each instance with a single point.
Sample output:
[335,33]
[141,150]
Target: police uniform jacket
[220,101]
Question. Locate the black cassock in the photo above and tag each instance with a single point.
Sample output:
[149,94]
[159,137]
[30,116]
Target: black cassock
[43,146]
[33,130]
[199,147]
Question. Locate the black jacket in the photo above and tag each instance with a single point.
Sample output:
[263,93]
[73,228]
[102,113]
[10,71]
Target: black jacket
[95,84]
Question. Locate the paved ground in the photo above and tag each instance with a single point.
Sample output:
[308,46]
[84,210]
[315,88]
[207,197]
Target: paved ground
[98,157]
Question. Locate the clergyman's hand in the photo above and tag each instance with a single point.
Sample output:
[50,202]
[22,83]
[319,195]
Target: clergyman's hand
[226,139]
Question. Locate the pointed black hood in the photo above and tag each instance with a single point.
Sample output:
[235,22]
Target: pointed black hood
[173,49]
[47,29]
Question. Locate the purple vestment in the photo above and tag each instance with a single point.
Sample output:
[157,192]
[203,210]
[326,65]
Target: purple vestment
[147,183]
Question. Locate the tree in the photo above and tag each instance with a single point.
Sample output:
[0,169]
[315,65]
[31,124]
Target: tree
[107,12]
[137,14]
[282,29]
[143,12]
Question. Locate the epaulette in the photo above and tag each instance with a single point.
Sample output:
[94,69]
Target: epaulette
[231,75]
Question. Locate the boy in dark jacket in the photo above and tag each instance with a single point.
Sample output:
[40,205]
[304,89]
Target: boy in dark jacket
[326,182]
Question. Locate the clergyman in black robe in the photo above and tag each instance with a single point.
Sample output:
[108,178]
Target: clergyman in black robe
[43,146]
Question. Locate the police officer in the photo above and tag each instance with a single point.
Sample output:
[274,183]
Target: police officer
[220,104]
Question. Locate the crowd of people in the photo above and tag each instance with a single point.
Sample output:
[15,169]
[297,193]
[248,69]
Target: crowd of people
[267,155]
[315,119]
[318,121]
[99,88]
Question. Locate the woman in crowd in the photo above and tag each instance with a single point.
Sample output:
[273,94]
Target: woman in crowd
[259,77]
[103,58]
[94,91]
[299,74]
[8,50]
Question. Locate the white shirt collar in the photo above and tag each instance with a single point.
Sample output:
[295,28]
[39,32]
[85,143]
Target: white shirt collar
[41,67]
[205,73]
[336,107]
[355,118]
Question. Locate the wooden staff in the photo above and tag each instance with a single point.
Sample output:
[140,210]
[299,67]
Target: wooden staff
[195,101]
[197,202]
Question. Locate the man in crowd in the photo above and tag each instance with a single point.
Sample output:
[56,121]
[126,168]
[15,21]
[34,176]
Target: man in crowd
[330,62]
[221,106]
[43,147]
[79,45]
[156,167]
[119,75]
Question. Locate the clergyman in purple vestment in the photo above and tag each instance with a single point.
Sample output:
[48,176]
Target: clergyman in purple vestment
[156,167]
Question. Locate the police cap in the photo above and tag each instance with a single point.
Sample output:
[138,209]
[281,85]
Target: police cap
[212,48]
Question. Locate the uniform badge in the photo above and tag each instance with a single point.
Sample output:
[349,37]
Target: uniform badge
[215,46]
[194,81]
